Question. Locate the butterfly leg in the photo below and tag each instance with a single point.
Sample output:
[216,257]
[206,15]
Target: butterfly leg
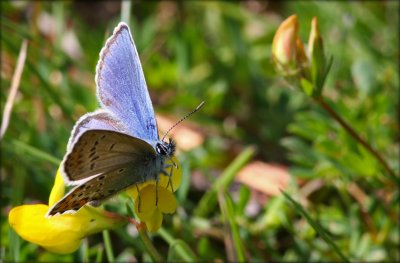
[156,193]
[169,175]
[174,164]
[169,179]
[137,189]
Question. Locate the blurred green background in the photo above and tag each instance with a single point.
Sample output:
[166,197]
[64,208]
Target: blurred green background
[219,52]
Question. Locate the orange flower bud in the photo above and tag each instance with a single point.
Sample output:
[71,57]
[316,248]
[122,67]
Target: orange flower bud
[284,42]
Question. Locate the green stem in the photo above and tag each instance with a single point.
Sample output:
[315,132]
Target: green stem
[108,247]
[148,244]
[353,134]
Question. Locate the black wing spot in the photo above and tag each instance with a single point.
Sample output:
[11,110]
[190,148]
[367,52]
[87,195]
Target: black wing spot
[112,146]
[121,170]
[103,136]
[95,143]
[92,166]
[92,153]
[101,177]
[88,187]
[95,158]
[93,149]
[150,125]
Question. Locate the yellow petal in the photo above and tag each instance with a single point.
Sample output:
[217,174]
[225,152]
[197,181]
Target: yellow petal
[166,201]
[132,192]
[145,204]
[29,222]
[150,213]
[58,190]
[155,222]
[60,234]
[176,180]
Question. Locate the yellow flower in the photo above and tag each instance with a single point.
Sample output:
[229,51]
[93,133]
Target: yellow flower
[60,234]
[148,207]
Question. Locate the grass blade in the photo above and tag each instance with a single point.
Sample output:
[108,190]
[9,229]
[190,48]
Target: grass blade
[299,208]
[208,202]
[233,244]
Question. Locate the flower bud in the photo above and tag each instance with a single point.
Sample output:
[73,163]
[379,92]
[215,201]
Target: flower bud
[309,72]
[287,48]
[317,56]
[284,42]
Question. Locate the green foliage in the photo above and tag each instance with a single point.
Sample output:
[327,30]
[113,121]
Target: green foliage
[339,204]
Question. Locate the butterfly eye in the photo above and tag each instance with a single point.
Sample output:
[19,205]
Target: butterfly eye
[161,149]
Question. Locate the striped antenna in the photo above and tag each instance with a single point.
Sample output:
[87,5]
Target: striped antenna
[197,108]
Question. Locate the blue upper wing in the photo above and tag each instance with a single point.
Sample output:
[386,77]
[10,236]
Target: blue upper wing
[121,87]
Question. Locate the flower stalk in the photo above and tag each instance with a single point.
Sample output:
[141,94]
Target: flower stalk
[320,100]
[144,236]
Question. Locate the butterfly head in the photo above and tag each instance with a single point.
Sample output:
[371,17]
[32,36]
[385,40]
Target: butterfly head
[166,149]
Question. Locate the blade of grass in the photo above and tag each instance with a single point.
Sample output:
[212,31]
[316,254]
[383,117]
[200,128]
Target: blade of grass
[16,79]
[233,244]
[108,246]
[99,255]
[179,247]
[299,208]
[208,202]
[23,147]
[84,251]
[18,186]
[126,11]
[185,184]
[44,82]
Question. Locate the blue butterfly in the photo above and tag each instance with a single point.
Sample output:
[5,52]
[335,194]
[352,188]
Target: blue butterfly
[117,146]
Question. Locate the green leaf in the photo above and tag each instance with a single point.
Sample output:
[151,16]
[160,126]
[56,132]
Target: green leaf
[307,86]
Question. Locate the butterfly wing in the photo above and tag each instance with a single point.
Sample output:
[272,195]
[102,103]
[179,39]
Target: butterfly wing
[100,119]
[121,86]
[102,187]
[98,152]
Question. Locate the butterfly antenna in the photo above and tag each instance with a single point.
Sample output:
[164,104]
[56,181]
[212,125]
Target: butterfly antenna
[197,108]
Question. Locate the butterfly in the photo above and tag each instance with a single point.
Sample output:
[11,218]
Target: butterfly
[116,146]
